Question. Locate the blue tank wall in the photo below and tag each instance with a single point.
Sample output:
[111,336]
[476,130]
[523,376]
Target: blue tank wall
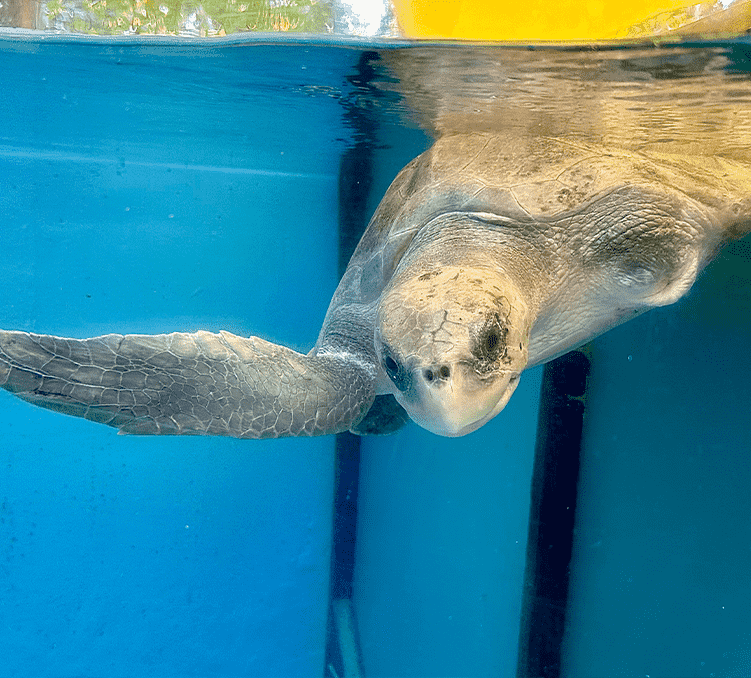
[661,574]
[153,189]
[441,546]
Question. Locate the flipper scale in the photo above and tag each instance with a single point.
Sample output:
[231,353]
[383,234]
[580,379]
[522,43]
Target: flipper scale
[202,383]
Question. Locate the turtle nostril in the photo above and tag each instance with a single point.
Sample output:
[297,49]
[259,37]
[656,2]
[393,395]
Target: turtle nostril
[440,373]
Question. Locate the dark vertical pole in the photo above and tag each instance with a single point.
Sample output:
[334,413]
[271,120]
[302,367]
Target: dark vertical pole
[355,180]
[551,520]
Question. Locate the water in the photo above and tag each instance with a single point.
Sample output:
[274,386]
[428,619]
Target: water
[157,185]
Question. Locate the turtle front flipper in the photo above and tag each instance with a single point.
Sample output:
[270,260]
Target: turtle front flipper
[202,383]
[385,416]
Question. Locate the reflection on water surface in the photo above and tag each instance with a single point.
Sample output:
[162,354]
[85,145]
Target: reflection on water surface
[694,99]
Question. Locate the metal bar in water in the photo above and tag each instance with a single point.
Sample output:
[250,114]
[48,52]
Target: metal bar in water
[551,519]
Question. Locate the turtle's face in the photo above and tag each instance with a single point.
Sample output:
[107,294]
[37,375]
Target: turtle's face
[452,342]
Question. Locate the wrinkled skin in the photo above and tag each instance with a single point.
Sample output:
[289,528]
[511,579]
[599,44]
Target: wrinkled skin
[486,256]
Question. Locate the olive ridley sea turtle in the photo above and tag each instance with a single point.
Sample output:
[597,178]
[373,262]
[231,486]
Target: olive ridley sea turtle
[487,255]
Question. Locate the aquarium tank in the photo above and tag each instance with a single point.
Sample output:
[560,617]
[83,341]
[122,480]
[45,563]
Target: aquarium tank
[184,166]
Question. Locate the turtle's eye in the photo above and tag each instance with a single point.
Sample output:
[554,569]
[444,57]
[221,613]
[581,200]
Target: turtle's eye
[394,369]
[491,342]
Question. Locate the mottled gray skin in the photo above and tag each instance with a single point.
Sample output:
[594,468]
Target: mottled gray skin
[486,256]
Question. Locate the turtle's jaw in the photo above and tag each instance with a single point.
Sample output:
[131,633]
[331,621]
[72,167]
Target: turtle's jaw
[457,402]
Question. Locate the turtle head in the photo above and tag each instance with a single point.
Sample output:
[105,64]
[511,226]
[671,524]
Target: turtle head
[452,341]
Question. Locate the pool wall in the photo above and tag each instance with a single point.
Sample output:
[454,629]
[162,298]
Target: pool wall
[154,190]
[661,574]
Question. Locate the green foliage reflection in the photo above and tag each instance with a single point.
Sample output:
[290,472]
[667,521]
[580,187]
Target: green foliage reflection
[172,17]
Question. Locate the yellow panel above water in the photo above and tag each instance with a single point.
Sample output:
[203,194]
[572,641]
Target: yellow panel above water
[566,20]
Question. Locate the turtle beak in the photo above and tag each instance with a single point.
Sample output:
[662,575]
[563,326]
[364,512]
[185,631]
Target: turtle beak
[453,400]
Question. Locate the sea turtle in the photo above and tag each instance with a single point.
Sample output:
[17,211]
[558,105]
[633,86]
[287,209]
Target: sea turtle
[486,255]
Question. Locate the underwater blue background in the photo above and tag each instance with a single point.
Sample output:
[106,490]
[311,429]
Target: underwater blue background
[153,190]
[158,186]
[661,574]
